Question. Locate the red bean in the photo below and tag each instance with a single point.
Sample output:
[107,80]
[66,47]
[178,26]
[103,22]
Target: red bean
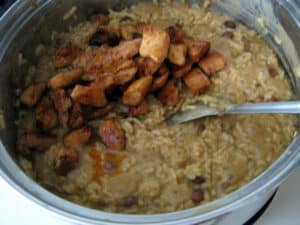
[129,201]
[197,196]
[272,71]
[109,166]
[230,24]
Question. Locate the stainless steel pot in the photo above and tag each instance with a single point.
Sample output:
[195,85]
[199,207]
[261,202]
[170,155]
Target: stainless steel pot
[25,24]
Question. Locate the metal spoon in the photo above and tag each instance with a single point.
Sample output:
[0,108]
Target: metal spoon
[200,111]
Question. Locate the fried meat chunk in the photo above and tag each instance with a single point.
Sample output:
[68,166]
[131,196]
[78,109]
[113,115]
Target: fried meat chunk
[196,81]
[112,135]
[155,43]
[160,78]
[65,54]
[93,94]
[137,91]
[76,116]
[139,110]
[63,104]
[147,66]
[176,34]
[78,138]
[197,49]
[32,94]
[65,160]
[169,95]
[177,54]
[65,79]
[213,63]
[45,115]
[32,140]
[180,71]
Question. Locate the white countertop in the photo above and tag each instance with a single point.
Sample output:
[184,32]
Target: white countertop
[17,210]
[285,208]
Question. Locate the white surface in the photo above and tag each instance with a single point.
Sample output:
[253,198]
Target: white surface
[284,209]
[17,210]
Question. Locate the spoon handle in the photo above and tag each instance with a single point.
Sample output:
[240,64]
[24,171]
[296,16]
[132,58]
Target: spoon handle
[287,107]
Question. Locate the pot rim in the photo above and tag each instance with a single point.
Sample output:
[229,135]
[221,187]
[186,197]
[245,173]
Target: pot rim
[212,210]
[10,171]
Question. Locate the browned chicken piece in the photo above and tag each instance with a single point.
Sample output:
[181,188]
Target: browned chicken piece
[126,31]
[112,135]
[102,49]
[65,160]
[196,81]
[106,81]
[169,95]
[33,94]
[126,72]
[45,115]
[180,71]
[65,54]
[213,63]
[62,103]
[160,78]
[147,66]
[78,138]
[76,117]
[93,73]
[155,43]
[177,54]
[89,95]
[82,60]
[31,140]
[176,34]
[136,92]
[105,35]
[139,110]
[65,79]
[102,111]
[130,31]
[108,58]
[104,60]
[127,49]
[93,94]
[100,19]
[197,49]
